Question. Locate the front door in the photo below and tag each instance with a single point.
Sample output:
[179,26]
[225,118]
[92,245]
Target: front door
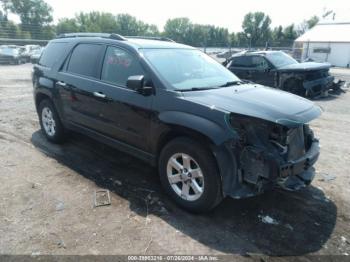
[261,72]
[127,113]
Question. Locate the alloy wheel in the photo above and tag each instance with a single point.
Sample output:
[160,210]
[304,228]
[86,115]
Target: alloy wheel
[48,121]
[185,176]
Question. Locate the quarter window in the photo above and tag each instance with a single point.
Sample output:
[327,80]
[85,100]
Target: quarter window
[52,53]
[118,65]
[85,60]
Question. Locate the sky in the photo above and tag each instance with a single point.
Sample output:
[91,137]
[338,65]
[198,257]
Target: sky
[224,13]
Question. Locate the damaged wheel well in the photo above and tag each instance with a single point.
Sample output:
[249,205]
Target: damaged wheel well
[179,131]
[294,85]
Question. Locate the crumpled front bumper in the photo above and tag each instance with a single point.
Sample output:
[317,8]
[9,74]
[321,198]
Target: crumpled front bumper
[290,176]
[299,173]
[319,86]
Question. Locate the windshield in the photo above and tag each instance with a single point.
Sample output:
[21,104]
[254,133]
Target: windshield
[186,69]
[279,59]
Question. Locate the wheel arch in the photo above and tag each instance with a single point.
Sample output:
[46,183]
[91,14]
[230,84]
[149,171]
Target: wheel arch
[176,131]
[289,78]
[39,97]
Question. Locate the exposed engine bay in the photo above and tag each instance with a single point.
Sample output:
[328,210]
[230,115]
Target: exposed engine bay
[271,154]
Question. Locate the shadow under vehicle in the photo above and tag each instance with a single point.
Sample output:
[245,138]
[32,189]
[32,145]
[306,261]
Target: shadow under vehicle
[305,220]
[279,70]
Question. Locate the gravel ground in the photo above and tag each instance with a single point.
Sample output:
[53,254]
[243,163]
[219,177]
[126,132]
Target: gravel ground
[47,195]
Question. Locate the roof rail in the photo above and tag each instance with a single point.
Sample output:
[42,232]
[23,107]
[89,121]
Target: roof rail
[103,35]
[151,38]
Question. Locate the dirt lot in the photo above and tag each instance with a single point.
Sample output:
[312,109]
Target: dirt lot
[47,191]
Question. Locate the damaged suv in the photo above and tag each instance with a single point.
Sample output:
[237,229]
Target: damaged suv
[279,70]
[210,134]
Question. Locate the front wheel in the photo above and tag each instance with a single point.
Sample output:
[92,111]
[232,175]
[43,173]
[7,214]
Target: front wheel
[189,174]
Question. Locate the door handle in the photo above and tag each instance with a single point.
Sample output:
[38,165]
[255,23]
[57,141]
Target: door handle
[99,95]
[60,83]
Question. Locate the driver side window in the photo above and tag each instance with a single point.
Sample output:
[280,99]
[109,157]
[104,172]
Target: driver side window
[118,65]
[259,62]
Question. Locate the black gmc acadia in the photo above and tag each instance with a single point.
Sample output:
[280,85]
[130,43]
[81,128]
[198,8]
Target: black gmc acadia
[211,134]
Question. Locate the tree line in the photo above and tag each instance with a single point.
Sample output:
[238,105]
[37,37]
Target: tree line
[36,23]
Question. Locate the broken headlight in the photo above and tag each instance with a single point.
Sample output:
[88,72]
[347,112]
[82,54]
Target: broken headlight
[258,132]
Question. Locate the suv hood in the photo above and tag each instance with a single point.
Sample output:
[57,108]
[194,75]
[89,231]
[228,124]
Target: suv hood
[260,102]
[307,66]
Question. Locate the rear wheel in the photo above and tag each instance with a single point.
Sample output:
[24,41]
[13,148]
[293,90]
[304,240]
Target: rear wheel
[295,86]
[50,123]
[189,174]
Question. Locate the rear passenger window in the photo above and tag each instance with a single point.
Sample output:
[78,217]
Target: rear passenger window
[85,60]
[243,61]
[118,65]
[52,53]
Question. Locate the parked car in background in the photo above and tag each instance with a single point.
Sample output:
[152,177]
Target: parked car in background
[279,70]
[28,51]
[210,134]
[34,58]
[10,55]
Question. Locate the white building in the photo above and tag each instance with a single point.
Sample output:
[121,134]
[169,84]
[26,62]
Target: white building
[326,42]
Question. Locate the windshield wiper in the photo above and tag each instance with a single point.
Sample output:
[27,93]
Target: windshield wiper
[232,83]
[195,89]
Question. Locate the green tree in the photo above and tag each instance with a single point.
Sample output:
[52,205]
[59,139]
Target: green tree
[290,33]
[123,24]
[312,21]
[34,14]
[307,24]
[67,25]
[178,29]
[242,40]
[129,25]
[233,39]
[277,34]
[93,22]
[256,27]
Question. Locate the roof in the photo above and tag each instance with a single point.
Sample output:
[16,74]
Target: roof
[248,53]
[148,43]
[134,41]
[327,32]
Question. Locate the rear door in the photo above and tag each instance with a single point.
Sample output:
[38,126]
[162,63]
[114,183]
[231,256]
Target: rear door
[78,85]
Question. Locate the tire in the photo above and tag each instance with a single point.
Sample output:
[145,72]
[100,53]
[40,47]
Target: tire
[50,122]
[203,183]
[295,86]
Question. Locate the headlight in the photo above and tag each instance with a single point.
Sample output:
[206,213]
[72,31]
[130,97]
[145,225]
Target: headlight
[256,131]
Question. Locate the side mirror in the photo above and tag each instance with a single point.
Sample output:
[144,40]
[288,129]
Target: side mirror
[137,83]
